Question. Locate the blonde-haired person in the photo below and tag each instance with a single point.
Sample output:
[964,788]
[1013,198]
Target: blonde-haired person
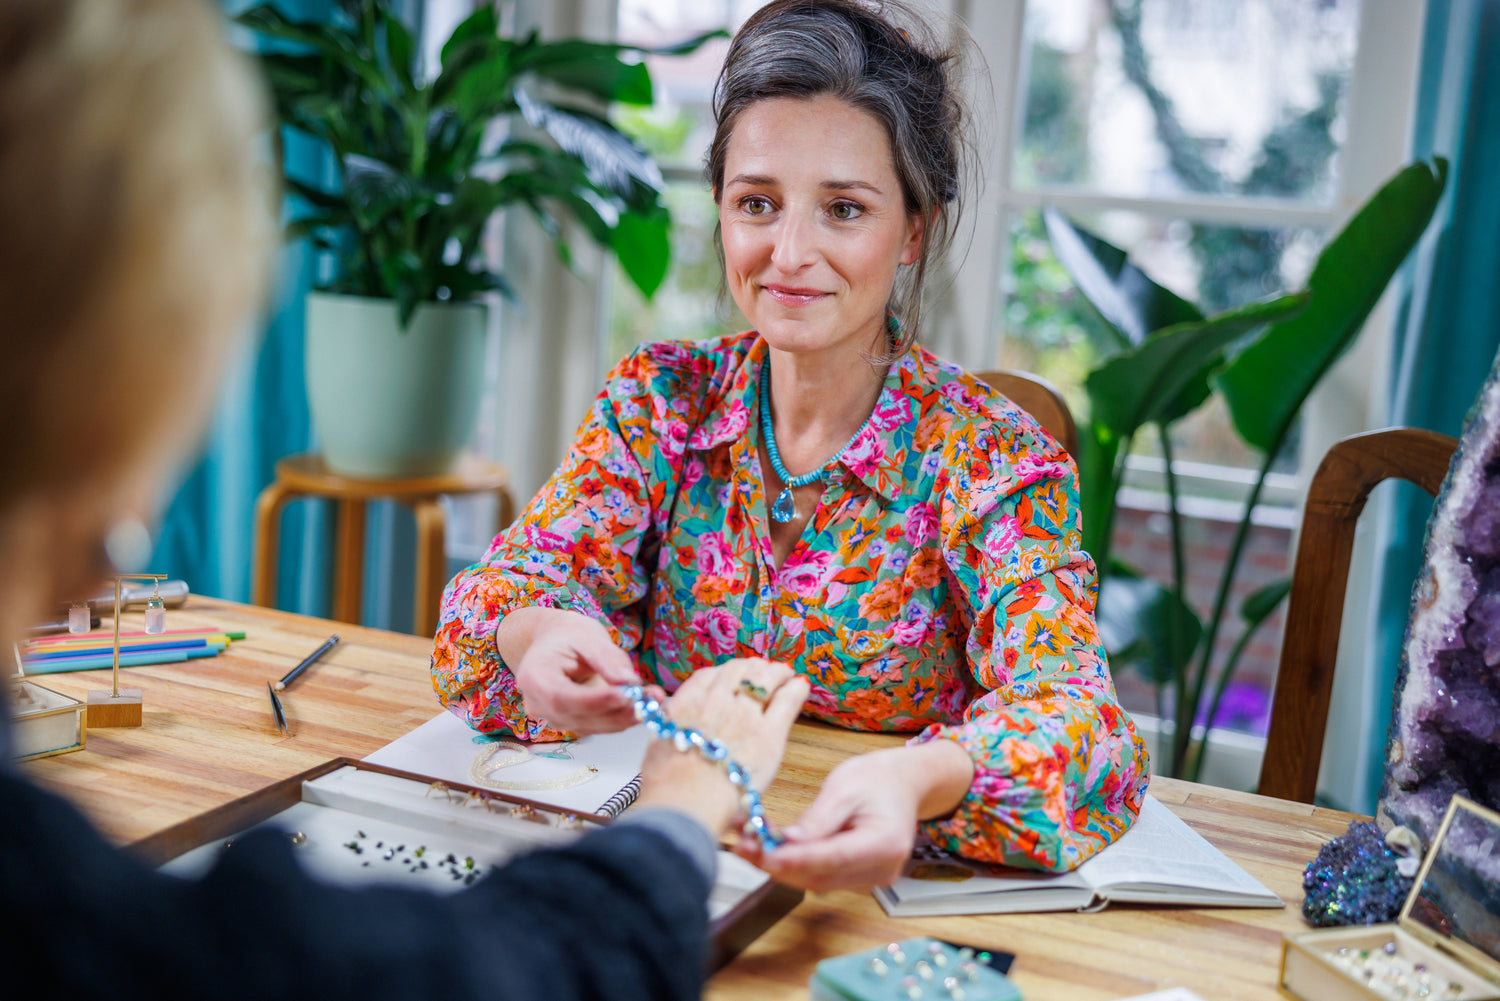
[133,246]
[824,492]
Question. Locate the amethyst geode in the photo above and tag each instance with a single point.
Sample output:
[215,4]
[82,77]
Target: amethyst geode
[1445,731]
[1445,728]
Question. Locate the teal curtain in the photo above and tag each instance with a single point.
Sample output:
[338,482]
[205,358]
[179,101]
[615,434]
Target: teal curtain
[1449,327]
[206,533]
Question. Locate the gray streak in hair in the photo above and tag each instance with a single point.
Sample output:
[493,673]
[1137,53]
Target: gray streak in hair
[883,58]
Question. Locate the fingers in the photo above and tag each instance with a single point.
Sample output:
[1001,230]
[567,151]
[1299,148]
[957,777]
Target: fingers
[858,858]
[787,701]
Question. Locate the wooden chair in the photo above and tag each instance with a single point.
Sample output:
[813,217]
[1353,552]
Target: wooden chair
[1040,399]
[1315,609]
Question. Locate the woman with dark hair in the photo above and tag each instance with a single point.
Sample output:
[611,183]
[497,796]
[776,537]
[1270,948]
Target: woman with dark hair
[823,492]
[135,245]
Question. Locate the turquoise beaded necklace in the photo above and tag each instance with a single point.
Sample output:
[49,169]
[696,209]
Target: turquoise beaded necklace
[785,508]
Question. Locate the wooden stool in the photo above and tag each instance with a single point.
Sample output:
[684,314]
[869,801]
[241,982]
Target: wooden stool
[299,476]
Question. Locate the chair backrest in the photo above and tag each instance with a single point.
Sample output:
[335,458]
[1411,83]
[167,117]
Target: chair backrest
[1040,399]
[1315,609]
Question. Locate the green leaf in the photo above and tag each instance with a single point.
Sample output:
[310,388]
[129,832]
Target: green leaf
[1098,453]
[1141,384]
[375,188]
[685,47]
[1267,383]
[1127,299]
[613,158]
[1148,628]
[1257,607]
[480,26]
[643,246]
[401,49]
[590,67]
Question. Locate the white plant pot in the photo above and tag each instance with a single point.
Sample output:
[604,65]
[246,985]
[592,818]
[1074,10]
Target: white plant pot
[388,402]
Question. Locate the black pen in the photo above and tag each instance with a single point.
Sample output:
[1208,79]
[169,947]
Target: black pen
[307,662]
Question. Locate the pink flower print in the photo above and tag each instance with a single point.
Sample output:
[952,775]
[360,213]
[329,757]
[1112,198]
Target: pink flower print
[866,454]
[1002,537]
[912,629]
[891,411]
[1030,469]
[921,523]
[803,572]
[671,429]
[692,471]
[735,420]
[715,558]
[715,628]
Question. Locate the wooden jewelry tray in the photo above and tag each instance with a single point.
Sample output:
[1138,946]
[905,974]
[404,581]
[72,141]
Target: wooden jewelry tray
[345,804]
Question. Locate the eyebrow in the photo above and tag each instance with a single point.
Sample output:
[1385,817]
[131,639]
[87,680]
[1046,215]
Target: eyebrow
[763,180]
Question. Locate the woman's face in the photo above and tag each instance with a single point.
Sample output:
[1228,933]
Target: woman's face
[814,224]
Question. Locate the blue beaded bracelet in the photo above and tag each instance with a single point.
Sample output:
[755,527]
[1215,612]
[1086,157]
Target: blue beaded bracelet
[685,738]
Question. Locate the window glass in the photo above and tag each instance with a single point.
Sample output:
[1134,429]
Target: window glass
[1053,331]
[1166,98]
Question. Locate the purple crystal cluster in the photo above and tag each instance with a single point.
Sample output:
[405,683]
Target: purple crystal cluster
[1445,734]
[1354,880]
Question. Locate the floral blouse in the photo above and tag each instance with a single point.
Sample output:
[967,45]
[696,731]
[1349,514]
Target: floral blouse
[938,587]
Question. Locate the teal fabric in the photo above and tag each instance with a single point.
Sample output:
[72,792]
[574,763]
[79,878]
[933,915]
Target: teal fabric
[207,532]
[1449,327]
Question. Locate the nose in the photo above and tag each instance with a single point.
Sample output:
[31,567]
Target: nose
[795,244]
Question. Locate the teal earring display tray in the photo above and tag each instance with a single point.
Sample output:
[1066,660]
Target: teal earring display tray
[917,969]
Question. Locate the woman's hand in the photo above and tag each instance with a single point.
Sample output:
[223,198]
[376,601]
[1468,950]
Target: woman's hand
[568,669]
[712,702]
[860,830]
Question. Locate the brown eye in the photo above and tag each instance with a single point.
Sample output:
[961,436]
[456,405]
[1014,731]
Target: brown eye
[755,206]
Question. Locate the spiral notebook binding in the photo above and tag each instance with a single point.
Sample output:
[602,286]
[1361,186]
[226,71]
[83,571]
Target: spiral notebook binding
[616,804]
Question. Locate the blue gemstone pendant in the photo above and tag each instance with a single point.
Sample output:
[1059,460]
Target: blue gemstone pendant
[784,510]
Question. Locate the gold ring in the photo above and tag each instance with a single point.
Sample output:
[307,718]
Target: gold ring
[756,692]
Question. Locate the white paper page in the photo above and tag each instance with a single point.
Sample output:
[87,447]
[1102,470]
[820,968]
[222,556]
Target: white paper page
[982,879]
[446,748]
[1162,851]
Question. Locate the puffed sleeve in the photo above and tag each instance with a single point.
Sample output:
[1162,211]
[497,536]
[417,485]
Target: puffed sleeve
[1059,771]
[584,543]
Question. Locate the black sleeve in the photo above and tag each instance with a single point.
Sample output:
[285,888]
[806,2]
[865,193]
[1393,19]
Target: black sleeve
[620,914]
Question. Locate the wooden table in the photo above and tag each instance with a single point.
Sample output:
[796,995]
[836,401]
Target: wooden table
[209,738]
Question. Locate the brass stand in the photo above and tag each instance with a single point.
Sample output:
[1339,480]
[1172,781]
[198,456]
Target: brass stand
[118,706]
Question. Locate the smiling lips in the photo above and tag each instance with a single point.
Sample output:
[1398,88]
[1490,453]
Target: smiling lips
[790,296]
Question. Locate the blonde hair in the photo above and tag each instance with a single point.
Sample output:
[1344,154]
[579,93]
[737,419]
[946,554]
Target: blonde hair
[136,231]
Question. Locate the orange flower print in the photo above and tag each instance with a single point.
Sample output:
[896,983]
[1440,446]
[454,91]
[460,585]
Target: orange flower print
[1029,595]
[711,590]
[1043,636]
[925,568]
[883,601]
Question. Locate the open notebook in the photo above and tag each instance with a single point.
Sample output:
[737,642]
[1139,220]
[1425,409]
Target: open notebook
[1160,860]
[598,774]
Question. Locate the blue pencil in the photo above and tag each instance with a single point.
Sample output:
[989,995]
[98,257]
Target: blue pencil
[107,660]
[65,654]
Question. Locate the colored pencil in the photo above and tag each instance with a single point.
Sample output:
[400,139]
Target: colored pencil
[69,653]
[106,661]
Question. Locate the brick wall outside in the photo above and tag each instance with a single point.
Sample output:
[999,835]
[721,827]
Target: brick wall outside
[1143,540]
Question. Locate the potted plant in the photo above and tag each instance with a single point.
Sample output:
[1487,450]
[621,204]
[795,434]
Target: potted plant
[1168,357]
[395,338]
